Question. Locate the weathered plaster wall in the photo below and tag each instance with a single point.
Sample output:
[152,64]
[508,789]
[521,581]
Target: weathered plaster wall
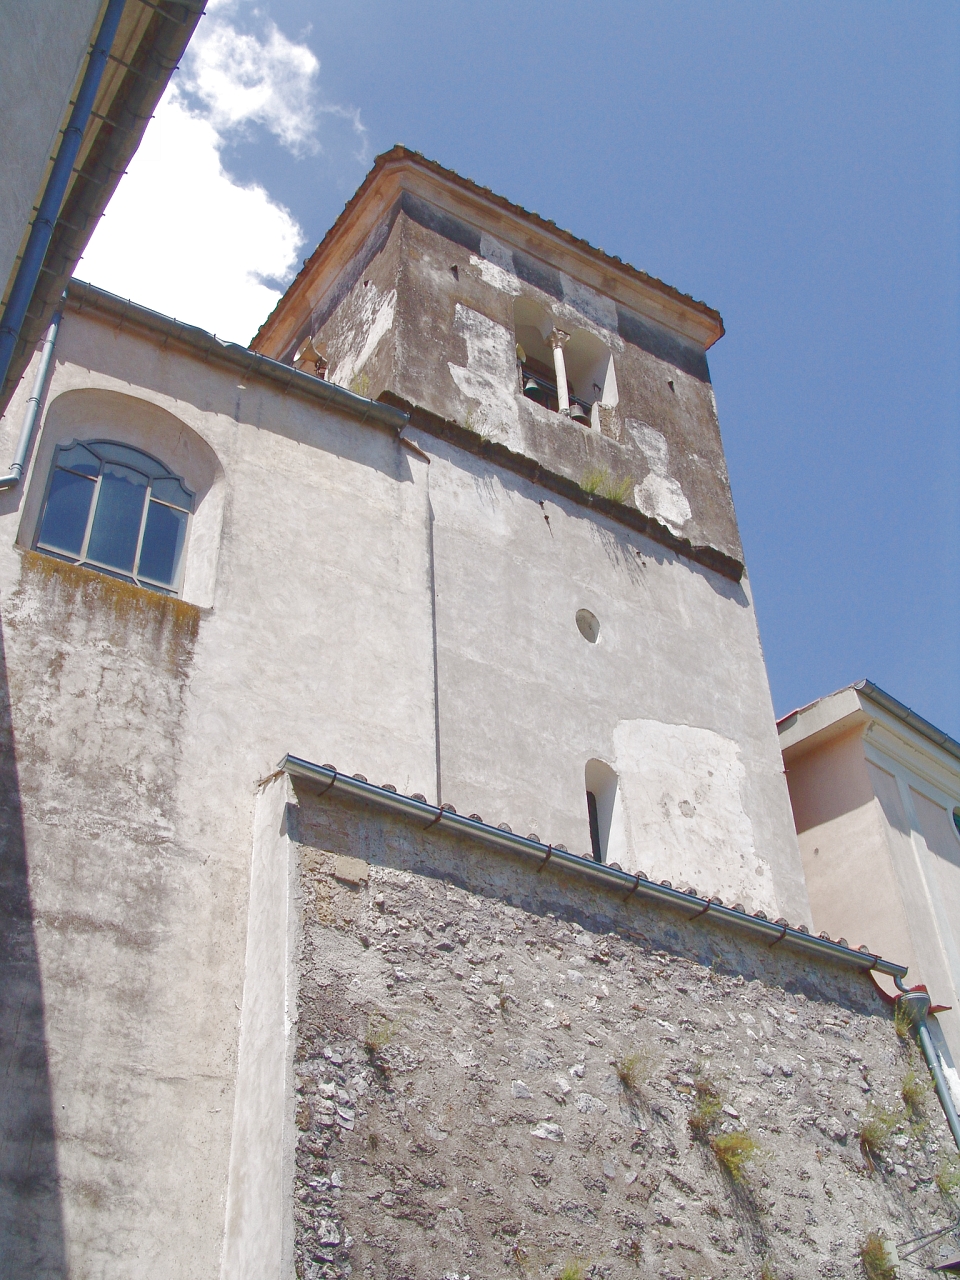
[139,746]
[463,1026]
[92,664]
[359,599]
[431,318]
[673,696]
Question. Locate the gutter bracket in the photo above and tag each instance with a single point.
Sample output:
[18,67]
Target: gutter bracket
[546,859]
[636,886]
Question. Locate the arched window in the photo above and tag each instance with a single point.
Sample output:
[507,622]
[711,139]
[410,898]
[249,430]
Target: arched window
[570,373]
[603,810]
[118,510]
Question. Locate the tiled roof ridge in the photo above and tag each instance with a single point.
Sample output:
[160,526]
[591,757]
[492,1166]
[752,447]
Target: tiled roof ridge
[401,152]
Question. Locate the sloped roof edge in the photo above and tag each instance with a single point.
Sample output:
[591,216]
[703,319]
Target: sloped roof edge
[892,706]
[208,347]
[400,154]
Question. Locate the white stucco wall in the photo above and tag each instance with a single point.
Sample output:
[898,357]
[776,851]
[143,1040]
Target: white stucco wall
[334,559]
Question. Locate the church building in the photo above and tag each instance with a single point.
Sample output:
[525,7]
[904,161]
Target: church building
[399,871]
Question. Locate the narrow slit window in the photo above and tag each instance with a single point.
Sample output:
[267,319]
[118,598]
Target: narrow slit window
[118,510]
[603,811]
[595,844]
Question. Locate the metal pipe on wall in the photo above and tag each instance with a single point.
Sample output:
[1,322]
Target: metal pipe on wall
[33,407]
[916,1004]
[42,229]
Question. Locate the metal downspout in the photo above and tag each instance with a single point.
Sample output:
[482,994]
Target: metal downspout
[41,232]
[33,407]
[916,1005]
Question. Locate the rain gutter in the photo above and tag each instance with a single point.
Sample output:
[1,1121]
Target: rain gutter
[115,128]
[429,816]
[231,355]
[41,232]
[908,717]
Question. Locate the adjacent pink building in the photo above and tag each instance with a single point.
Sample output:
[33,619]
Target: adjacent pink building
[876,800]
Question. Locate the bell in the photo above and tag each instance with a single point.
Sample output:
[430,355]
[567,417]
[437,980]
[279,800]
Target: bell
[532,387]
[579,414]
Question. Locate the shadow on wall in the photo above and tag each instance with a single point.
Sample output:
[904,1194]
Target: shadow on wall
[31,1221]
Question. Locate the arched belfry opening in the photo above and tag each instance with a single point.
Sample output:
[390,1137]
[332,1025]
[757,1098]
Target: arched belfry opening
[567,372]
[603,810]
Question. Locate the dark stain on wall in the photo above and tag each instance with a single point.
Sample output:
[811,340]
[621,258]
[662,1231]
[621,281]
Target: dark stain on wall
[444,224]
[532,271]
[660,343]
[98,672]
[31,1219]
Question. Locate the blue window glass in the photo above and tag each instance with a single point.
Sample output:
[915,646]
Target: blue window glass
[79,459]
[119,514]
[163,538]
[67,512]
[115,508]
[171,490]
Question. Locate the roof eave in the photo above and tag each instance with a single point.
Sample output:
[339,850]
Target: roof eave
[401,169]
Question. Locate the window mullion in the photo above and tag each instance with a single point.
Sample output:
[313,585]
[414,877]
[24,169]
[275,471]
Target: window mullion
[143,525]
[91,517]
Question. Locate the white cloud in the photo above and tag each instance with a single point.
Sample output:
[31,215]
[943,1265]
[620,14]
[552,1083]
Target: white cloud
[241,80]
[181,235]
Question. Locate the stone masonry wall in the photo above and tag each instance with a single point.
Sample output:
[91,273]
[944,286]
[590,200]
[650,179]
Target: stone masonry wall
[497,1070]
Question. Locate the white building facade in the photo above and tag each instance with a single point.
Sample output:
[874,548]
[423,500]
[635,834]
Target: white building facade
[437,579]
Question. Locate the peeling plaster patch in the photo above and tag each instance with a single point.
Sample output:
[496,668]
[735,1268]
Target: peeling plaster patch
[371,319]
[496,276]
[681,788]
[489,375]
[496,265]
[594,306]
[659,495]
[494,251]
[661,498]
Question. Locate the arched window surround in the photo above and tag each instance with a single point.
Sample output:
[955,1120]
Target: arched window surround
[102,413]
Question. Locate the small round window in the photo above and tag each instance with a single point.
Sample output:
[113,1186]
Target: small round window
[588,625]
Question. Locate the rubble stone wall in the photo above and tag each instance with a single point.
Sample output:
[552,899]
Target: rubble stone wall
[497,1070]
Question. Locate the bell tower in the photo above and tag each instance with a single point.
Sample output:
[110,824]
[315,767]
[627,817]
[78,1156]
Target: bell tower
[576,471]
[452,300]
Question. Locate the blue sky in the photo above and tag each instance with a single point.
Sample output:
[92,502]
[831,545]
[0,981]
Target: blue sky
[795,166]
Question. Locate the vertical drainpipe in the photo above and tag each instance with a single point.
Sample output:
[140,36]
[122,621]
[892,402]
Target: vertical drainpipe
[558,340]
[31,264]
[33,407]
[916,1005]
